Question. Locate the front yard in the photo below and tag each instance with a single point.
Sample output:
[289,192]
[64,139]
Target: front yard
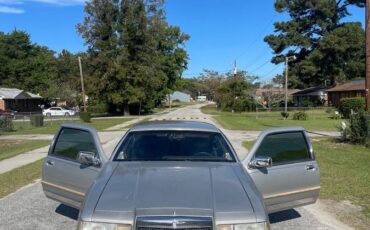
[50,127]
[317,120]
[11,148]
[344,171]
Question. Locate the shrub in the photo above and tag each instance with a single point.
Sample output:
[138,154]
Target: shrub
[301,116]
[360,128]
[356,104]
[285,115]
[6,124]
[37,120]
[335,115]
[85,117]
[176,101]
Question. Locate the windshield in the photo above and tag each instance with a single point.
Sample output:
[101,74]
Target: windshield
[174,146]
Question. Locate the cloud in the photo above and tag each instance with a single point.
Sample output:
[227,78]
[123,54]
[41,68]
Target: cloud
[10,10]
[59,2]
[6,6]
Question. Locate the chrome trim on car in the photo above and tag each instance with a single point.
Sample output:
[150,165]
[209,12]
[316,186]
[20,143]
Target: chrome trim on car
[292,192]
[63,188]
[173,222]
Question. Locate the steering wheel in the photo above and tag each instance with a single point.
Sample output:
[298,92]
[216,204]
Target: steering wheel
[206,154]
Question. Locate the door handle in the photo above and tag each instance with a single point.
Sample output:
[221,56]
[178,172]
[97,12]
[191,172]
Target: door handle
[310,167]
[50,163]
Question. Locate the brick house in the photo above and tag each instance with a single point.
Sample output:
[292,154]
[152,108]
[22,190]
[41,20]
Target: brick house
[19,100]
[354,88]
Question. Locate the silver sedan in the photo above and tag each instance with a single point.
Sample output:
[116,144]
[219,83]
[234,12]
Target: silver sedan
[179,175]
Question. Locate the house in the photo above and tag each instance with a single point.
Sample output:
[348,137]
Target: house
[314,96]
[180,96]
[269,96]
[354,88]
[19,100]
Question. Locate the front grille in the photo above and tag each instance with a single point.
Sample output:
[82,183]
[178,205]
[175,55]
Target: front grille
[173,222]
[149,228]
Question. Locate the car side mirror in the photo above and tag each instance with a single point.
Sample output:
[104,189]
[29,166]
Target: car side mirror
[261,162]
[88,158]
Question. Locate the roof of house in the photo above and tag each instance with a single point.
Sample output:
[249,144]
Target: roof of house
[178,93]
[13,93]
[356,85]
[313,91]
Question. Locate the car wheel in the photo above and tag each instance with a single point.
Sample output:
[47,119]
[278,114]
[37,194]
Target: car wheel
[48,114]
[67,114]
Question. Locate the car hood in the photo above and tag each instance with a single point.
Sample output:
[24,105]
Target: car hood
[175,188]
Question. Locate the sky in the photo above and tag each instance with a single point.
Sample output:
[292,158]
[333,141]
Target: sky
[221,31]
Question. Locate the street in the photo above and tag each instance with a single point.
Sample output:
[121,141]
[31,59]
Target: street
[28,208]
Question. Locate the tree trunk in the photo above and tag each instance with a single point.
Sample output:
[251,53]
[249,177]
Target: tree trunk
[126,110]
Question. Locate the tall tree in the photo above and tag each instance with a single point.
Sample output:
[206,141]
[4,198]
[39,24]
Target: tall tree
[139,55]
[25,65]
[310,22]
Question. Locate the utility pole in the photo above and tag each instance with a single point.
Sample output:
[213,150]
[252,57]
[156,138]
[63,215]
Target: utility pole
[286,84]
[82,84]
[367,77]
[234,94]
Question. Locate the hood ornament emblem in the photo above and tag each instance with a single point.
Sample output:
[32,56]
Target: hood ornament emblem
[175,221]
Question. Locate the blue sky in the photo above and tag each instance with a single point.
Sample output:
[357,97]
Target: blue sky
[220,30]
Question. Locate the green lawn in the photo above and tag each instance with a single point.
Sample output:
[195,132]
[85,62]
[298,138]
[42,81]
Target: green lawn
[11,148]
[344,171]
[318,120]
[50,127]
[19,177]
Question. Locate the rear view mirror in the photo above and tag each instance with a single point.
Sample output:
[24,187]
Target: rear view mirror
[261,162]
[88,158]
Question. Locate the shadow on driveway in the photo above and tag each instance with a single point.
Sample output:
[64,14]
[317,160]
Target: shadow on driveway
[67,211]
[284,216]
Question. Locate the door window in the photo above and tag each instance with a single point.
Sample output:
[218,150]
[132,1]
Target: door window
[284,148]
[71,141]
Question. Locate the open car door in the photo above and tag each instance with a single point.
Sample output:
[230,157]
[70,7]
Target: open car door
[74,159]
[283,167]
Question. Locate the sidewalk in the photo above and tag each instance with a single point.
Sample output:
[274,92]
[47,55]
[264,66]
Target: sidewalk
[108,140]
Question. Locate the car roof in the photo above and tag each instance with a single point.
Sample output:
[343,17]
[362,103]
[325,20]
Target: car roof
[175,125]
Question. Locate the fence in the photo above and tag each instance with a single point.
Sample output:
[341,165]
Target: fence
[22,121]
[312,112]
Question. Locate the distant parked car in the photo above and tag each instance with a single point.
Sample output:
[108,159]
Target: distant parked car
[7,113]
[58,111]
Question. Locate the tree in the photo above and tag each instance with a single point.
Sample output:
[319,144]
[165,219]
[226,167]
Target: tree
[25,65]
[137,57]
[236,92]
[311,21]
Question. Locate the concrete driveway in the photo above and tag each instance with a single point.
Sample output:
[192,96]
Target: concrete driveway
[28,208]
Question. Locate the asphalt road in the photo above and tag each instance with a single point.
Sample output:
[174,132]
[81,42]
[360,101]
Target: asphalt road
[28,208]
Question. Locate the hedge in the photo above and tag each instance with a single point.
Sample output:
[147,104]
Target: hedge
[356,104]
[85,117]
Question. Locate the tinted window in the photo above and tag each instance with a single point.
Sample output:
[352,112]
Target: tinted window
[174,146]
[71,141]
[284,148]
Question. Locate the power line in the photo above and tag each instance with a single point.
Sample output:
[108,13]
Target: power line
[258,36]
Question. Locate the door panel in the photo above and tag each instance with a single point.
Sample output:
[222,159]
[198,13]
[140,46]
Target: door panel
[64,178]
[294,178]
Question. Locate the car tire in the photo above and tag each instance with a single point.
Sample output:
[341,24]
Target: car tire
[67,114]
[48,114]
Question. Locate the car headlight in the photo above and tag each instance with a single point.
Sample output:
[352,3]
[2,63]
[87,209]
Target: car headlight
[250,226]
[102,226]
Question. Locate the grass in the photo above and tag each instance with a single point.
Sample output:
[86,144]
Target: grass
[11,148]
[50,127]
[15,179]
[318,120]
[344,171]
